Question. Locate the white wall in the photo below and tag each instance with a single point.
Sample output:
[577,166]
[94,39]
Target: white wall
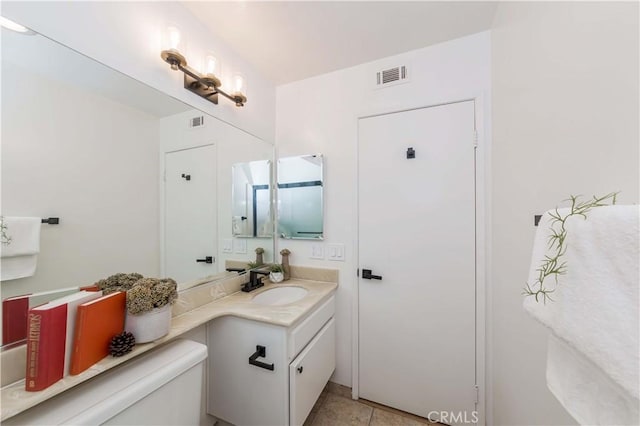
[92,162]
[320,115]
[565,121]
[126,36]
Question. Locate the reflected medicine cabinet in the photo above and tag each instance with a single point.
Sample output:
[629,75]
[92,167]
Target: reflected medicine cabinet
[251,199]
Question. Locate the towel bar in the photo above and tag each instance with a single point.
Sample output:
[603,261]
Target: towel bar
[261,351]
[51,220]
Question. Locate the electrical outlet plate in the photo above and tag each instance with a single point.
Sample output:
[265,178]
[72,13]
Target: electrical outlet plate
[335,252]
[317,251]
[227,245]
[240,246]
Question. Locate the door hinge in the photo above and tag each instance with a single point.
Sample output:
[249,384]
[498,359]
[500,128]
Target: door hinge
[475,138]
[358,272]
[477,389]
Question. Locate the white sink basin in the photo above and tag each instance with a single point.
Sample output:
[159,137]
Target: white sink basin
[279,296]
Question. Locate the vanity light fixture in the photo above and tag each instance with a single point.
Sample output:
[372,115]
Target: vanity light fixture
[204,82]
[239,87]
[14,26]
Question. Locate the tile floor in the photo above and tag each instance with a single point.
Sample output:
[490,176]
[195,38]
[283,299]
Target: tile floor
[336,408]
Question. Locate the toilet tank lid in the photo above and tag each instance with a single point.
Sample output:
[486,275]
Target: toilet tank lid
[119,388]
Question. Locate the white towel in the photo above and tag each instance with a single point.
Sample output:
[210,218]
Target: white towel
[20,256]
[240,225]
[585,390]
[594,313]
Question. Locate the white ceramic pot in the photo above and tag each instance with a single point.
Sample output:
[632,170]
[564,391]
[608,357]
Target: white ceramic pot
[276,277]
[149,326]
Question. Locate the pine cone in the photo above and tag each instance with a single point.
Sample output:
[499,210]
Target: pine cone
[122,344]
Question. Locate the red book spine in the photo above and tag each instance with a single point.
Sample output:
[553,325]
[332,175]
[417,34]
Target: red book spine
[14,319]
[45,347]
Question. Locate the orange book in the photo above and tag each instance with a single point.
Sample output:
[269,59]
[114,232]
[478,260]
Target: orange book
[96,324]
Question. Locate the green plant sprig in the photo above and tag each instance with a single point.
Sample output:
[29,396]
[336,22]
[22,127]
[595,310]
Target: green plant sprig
[552,265]
[276,267]
[253,265]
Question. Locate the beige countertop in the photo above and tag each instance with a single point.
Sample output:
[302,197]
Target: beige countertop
[15,399]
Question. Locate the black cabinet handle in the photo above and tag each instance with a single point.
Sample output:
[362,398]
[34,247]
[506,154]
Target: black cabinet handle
[261,351]
[366,274]
[208,259]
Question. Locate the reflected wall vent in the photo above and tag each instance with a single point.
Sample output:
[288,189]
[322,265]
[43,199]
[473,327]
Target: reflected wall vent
[196,122]
[392,76]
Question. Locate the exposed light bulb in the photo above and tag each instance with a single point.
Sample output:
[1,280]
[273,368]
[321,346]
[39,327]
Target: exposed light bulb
[211,64]
[172,44]
[239,87]
[173,37]
[238,84]
[14,26]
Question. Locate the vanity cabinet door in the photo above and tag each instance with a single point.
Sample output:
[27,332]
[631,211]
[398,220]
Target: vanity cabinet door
[241,393]
[310,372]
[300,336]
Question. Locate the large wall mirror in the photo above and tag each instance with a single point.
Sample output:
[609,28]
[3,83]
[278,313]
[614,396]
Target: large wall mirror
[300,202]
[140,182]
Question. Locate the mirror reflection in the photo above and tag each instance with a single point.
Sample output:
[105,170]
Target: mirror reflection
[140,182]
[251,202]
[300,203]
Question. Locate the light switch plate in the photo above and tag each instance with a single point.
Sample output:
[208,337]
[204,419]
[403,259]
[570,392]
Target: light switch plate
[317,251]
[227,245]
[335,252]
[240,246]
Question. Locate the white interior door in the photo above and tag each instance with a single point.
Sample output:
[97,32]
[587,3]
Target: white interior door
[417,232]
[190,213]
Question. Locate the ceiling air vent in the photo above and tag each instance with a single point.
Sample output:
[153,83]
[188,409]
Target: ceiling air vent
[392,76]
[196,122]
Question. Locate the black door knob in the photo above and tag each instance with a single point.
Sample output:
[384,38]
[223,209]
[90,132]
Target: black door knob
[300,369]
[208,259]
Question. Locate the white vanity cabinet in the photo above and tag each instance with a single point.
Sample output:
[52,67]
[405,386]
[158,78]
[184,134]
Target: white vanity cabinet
[302,357]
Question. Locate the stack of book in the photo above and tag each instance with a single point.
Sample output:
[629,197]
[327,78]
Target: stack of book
[68,335]
[15,311]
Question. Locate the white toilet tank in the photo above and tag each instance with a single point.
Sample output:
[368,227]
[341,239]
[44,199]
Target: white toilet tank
[162,387]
